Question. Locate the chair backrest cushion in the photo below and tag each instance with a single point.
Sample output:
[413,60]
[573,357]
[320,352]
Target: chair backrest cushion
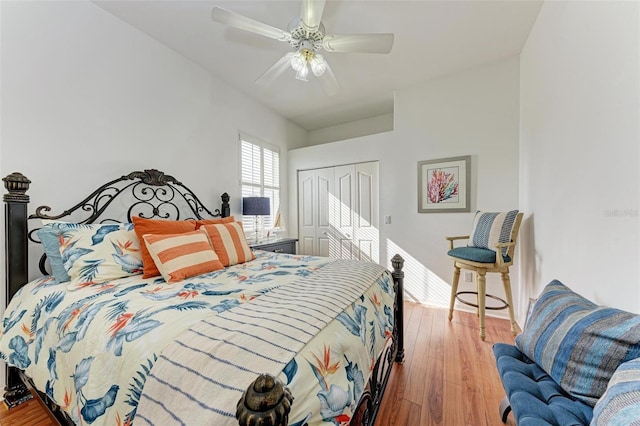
[578,343]
[490,228]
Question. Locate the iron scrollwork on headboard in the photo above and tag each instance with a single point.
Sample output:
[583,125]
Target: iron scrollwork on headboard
[152,194]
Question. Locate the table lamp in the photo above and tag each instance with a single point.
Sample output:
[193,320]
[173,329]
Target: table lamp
[256,206]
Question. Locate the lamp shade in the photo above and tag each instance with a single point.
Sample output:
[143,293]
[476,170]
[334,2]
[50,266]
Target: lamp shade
[257,206]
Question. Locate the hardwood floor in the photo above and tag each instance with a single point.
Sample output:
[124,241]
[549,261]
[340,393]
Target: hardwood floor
[30,413]
[448,377]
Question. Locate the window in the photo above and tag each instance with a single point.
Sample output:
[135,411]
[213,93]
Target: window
[260,178]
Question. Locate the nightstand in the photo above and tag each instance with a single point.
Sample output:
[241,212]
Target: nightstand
[276,245]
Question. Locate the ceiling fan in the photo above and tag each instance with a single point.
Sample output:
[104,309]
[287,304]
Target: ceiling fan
[306,34]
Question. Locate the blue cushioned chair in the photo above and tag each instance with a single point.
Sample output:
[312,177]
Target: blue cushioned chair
[482,260]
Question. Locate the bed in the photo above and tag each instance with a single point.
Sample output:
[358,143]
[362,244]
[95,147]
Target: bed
[263,338]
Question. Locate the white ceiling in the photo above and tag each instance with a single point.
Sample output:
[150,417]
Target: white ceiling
[432,38]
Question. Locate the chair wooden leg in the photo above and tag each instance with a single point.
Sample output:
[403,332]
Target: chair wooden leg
[454,290]
[482,295]
[507,291]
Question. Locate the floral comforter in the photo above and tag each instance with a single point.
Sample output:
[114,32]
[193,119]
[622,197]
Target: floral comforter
[92,349]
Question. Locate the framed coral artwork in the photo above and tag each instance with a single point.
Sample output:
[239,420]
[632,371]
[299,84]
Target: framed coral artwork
[444,185]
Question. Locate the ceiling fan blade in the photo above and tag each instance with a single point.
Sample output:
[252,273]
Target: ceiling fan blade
[236,20]
[312,13]
[359,43]
[329,82]
[270,75]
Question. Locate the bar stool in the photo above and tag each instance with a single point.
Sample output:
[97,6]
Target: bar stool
[492,234]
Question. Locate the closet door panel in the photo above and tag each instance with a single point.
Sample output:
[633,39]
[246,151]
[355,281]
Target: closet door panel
[306,212]
[345,198]
[324,232]
[366,235]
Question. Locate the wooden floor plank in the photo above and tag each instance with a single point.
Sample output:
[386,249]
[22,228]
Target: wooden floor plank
[30,413]
[449,376]
[453,403]
[417,360]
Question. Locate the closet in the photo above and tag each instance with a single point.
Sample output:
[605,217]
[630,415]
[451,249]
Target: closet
[338,211]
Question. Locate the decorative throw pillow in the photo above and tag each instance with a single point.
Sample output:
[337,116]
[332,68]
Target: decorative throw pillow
[49,236]
[492,228]
[578,343]
[96,253]
[620,404]
[215,221]
[180,256]
[229,242]
[144,226]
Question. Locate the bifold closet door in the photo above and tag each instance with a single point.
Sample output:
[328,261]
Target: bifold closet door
[314,217]
[338,211]
[366,235]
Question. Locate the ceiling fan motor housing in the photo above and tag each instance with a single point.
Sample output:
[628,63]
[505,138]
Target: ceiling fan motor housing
[301,37]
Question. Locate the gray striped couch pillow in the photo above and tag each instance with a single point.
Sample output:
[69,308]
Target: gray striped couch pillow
[620,404]
[578,343]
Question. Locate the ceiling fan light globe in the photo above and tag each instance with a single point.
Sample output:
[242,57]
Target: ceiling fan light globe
[318,65]
[298,62]
[302,73]
[318,71]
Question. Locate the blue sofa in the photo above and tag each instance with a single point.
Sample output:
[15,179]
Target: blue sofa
[575,363]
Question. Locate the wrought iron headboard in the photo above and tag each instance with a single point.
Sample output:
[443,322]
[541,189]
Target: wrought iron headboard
[154,195]
[149,194]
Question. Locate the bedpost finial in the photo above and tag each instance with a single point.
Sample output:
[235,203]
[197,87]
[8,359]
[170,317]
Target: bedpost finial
[398,263]
[17,185]
[266,402]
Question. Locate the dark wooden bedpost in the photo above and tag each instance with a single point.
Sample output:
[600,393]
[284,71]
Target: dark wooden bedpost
[15,213]
[398,278]
[225,208]
[16,257]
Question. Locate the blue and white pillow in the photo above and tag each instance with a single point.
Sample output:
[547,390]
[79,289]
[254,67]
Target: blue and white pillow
[492,228]
[49,236]
[620,404]
[97,253]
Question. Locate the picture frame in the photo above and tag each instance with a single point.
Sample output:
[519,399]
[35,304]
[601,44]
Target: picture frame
[444,185]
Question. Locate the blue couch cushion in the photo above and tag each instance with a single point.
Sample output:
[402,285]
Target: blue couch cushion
[476,254]
[620,404]
[578,343]
[535,398]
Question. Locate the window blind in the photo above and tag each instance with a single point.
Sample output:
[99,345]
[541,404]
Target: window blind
[260,177]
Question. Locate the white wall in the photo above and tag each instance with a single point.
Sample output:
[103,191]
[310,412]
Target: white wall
[580,155]
[366,126]
[469,113]
[87,98]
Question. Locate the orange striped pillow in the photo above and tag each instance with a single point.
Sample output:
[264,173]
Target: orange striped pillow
[144,226]
[201,222]
[180,256]
[229,242]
